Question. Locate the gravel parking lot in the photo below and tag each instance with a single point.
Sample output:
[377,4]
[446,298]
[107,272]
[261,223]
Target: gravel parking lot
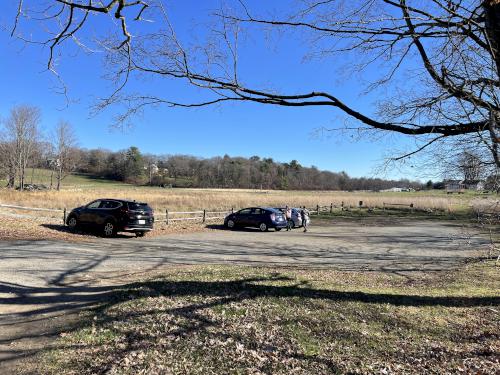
[40,280]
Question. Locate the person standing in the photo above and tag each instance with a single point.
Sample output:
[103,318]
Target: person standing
[305,215]
[288,216]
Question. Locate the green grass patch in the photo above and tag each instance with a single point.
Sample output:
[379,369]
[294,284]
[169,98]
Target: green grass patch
[244,320]
[42,176]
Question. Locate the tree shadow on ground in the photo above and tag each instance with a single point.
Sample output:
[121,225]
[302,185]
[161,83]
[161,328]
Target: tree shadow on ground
[239,229]
[38,305]
[83,232]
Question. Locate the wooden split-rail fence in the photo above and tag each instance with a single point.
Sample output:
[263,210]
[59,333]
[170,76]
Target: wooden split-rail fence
[207,215]
[200,215]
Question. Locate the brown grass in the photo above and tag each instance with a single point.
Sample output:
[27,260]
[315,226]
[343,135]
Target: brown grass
[214,199]
[251,320]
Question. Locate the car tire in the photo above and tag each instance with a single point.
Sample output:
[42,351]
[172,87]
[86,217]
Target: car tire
[277,229]
[72,223]
[140,234]
[263,227]
[230,224]
[109,229]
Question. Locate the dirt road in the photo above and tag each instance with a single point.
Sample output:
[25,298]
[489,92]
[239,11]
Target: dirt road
[43,280]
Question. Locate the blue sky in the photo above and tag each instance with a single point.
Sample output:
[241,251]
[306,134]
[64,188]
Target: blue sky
[237,129]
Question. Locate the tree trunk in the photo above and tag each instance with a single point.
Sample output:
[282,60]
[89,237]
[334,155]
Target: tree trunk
[495,138]
[492,26]
[11,180]
[21,183]
[59,178]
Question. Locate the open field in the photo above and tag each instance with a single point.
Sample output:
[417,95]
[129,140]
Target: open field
[182,199]
[221,320]
[80,189]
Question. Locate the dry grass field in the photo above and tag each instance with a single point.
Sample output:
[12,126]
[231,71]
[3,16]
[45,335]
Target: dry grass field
[80,189]
[223,199]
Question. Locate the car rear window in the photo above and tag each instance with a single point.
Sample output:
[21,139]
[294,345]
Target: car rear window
[138,206]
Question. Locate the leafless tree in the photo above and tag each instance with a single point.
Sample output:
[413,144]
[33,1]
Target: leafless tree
[8,165]
[471,166]
[64,145]
[439,60]
[21,132]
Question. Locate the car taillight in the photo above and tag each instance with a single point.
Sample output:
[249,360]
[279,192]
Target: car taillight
[273,217]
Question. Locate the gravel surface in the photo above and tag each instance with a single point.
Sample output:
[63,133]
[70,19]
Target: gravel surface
[45,279]
[20,226]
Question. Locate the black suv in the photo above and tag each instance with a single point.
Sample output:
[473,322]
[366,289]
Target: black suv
[257,217]
[113,215]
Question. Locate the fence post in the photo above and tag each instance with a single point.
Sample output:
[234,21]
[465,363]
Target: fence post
[331,207]
[64,216]
[204,214]
[317,209]
[166,216]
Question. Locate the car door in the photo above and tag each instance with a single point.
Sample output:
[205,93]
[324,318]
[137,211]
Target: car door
[105,210]
[242,217]
[98,214]
[256,217]
[87,213]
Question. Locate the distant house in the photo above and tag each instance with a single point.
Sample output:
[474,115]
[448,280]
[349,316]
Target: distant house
[393,190]
[459,186]
[398,190]
[477,185]
[454,186]
[154,169]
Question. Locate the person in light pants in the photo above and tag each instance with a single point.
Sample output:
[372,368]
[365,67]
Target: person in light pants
[288,216]
[305,214]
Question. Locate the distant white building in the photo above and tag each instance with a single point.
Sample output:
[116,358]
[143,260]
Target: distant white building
[459,186]
[398,190]
[454,186]
[154,168]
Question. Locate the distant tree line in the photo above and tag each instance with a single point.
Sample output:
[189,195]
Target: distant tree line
[24,147]
[222,172]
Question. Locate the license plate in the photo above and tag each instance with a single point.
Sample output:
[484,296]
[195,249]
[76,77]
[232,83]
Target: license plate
[141,221]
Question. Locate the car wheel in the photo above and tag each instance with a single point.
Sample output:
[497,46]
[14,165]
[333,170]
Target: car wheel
[231,224]
[277,229]
[140,234]
[72,223]
[109,229]
[263,227]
